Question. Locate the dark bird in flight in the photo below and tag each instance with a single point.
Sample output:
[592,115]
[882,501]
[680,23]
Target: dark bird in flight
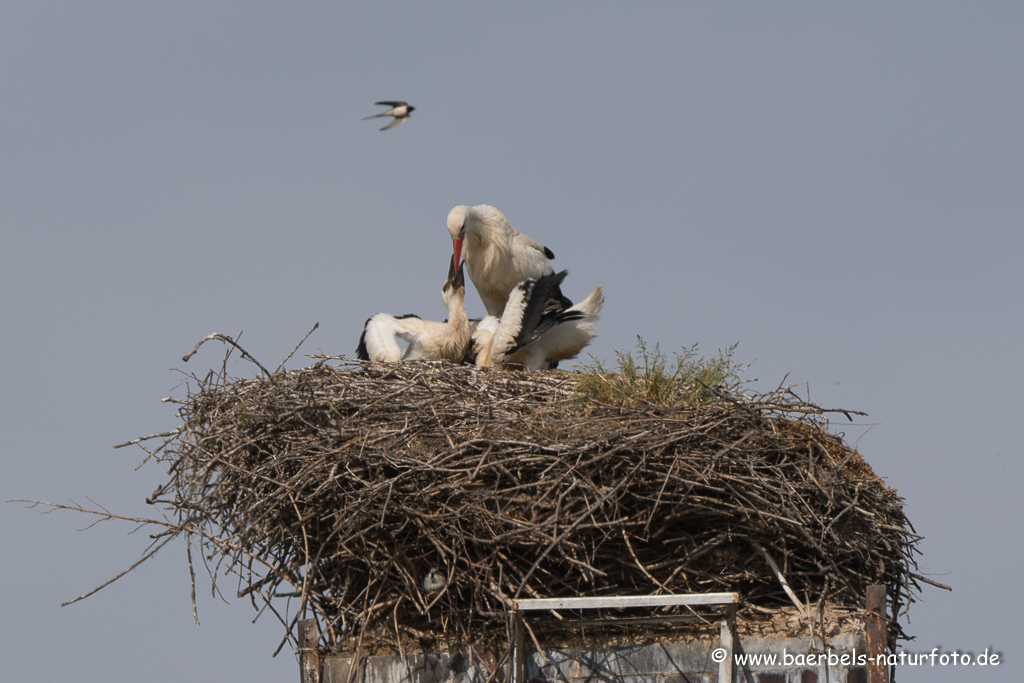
[400,110]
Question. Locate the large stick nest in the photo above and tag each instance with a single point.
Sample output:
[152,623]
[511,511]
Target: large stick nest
[340,487]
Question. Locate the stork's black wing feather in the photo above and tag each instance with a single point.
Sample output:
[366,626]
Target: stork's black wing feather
[361,352]
[537,318]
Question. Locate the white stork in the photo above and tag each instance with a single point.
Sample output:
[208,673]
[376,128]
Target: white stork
[533,334]
[497,256]
[428,340]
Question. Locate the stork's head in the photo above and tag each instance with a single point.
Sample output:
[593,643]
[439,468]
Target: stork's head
[457,230]
[455,284]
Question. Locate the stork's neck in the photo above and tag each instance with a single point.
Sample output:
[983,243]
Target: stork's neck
[455,340]
[457,309]
[486,231]
[487,250]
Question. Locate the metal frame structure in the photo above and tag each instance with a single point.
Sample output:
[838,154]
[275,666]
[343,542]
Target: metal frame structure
[611,602]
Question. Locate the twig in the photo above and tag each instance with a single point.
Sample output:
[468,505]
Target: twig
[227,340]
[782,580]
[288,357]
[161,435]
[135,564]
[930,582]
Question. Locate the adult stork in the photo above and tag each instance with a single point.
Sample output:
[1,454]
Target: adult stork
[498,257]
[531,332]
[427,339]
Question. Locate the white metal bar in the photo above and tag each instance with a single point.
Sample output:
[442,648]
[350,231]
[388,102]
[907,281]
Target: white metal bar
[610,602]
[725,666]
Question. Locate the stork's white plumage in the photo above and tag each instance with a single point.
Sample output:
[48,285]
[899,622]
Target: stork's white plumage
[533,334]
[497,256]
[427,339]
[433,581]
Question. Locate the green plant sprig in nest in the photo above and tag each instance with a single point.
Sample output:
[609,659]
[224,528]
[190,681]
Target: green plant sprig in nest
[650,378]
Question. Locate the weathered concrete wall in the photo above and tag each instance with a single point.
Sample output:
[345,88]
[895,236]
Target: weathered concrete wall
[665,662]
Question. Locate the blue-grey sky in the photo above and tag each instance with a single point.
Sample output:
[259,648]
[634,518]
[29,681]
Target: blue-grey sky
[839,189]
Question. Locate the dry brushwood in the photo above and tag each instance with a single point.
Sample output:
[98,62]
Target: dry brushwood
[416,500]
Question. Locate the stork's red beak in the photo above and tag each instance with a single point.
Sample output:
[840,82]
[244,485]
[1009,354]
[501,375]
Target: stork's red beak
[457,250]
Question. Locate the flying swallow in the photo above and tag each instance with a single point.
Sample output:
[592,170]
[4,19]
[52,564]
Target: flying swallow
[400,110]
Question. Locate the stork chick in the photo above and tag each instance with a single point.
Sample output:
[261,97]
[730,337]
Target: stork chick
[533,334]
[427,339]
